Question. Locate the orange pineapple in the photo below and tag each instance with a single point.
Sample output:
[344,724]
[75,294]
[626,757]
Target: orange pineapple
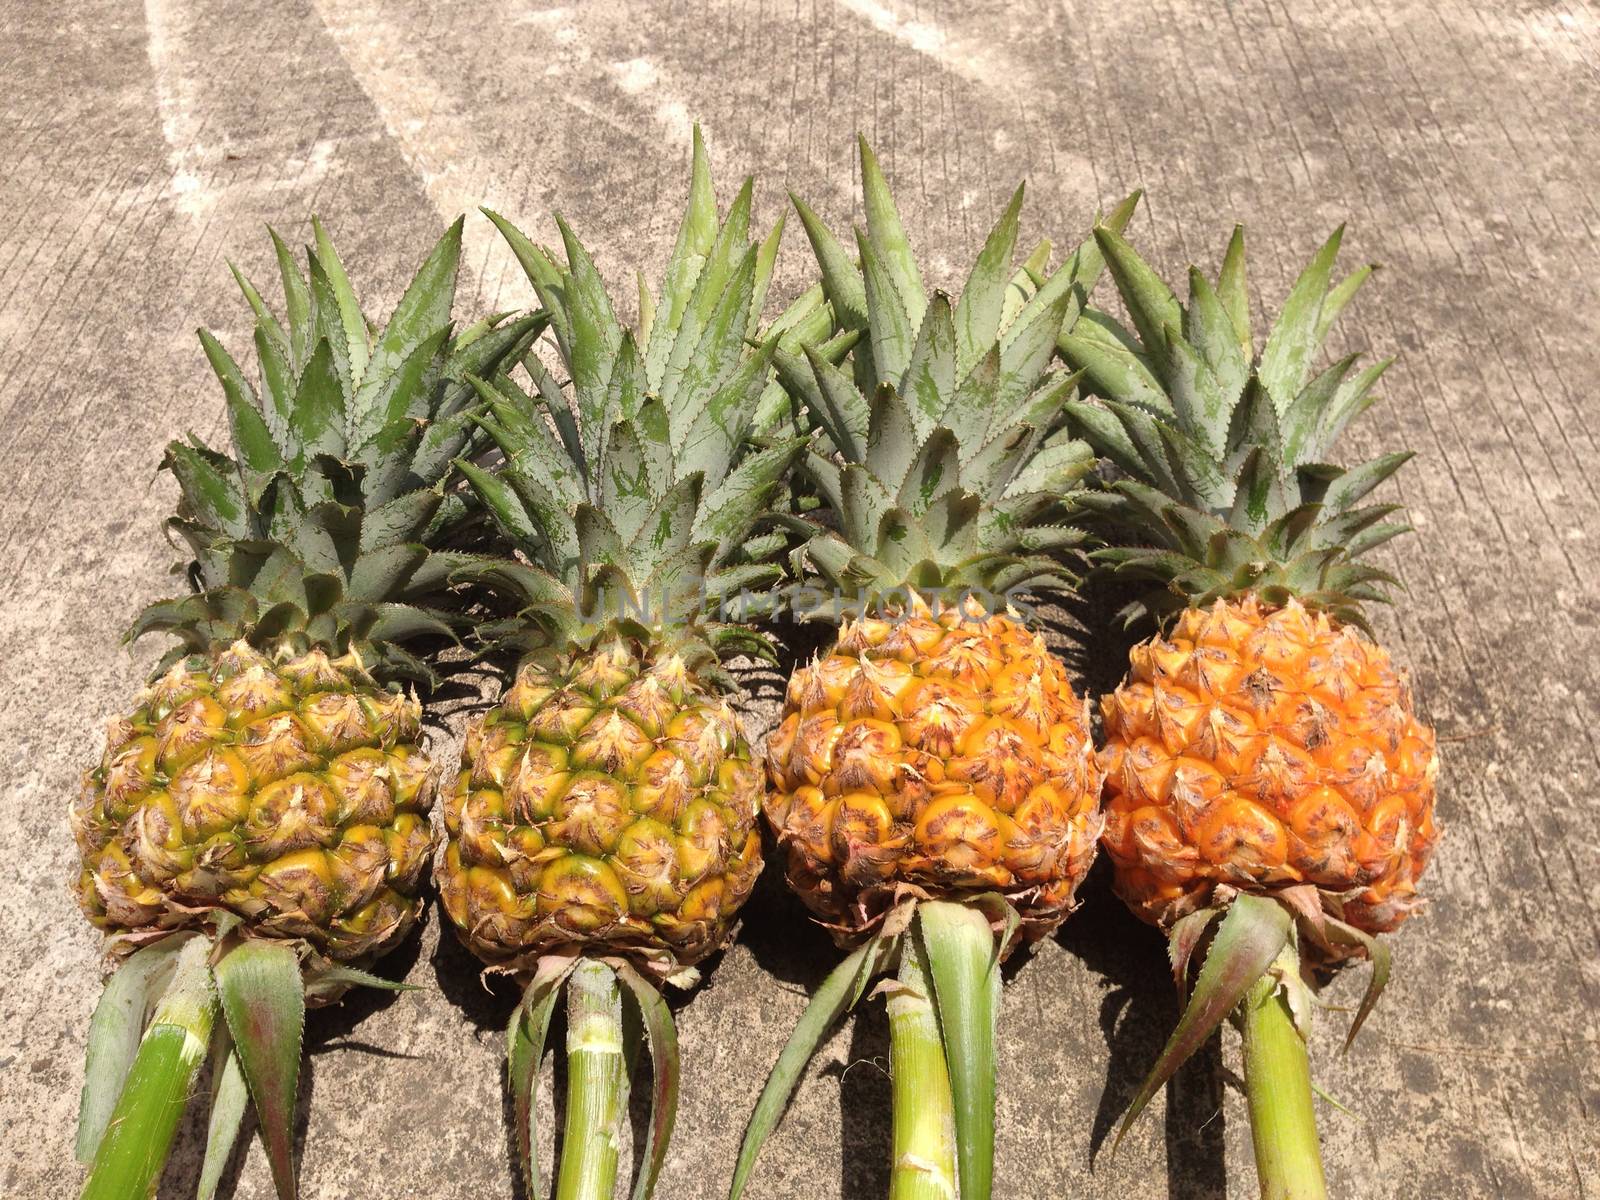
[1263,760]
[1262,747]
[929,756]
[934,785]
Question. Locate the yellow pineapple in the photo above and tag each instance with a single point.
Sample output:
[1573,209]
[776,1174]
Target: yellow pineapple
[1269,790]
[934,756]
[603,830]
[935,788]
[257,828]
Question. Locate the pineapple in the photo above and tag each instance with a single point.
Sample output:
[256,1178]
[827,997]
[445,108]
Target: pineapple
[934,783]
[1268,782]
[603,827]
[257,827]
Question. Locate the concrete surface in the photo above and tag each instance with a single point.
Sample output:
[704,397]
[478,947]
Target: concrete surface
[143,146]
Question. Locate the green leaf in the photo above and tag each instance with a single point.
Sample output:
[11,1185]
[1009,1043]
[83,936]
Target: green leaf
[332,981]
[698,375]
[627,388]
[935,471]
[1305,413]
[1055,469]
[1260,497]
[1339,297]
[318,419]
[845,413]
[350,318]
[866,501]
[1150,302]
[726,515]
[297,303]
[889,246]
[1113,370]
[930,376]
[130,996]
[595,336]
[1353,398]
[1357,482]
[890,323]
[1210,330]
[1378,954]
[973,403]
[423,312]
[1023,361]
[525,1038]
[766,263]
[396,394]
[838,995]
[1233,290]
[696,235]
[259,458]
[230,1096]
[722,424]
[666,531]
[400,520]
[381,574]
[278,382]
[712,331]
[663,1039]
[505,506]
[1203,411]
[264,1003]
[1295,338]
[138,1137]
[977,313]
[266,321]
[891,438]
[1247,940]
[626,493]
[842,283]
[211,496]
[964,960]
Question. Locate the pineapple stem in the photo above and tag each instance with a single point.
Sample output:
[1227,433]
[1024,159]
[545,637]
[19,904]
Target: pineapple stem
[924,1148]
[1277,1076]
[596,1084]
[138,1138]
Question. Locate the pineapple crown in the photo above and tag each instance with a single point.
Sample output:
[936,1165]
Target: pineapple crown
[632,495]
[1227,489]
[940,460]
[320,529]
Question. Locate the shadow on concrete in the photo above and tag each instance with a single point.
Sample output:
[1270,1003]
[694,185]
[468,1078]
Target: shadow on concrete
[865,1113]
[1141,1006]
[1137,1014]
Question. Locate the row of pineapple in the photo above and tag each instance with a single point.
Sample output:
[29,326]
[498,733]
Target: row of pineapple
[622,507]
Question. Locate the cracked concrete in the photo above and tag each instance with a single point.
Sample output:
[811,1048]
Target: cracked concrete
[144,147]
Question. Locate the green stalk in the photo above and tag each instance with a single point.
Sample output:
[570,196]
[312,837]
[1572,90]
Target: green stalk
[924,1162]
[596,1084]
[1277,1077]
[138,1138]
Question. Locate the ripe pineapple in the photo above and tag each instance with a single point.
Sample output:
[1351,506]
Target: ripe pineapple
[935,789]
[603,824]
[1263,760]
[258,824]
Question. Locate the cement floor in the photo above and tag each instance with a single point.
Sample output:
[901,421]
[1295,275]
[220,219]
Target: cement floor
[143,147]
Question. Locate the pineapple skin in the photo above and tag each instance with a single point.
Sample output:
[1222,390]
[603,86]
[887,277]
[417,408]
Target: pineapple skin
[934,756]
[1261,748]
[607,803]
[290,790]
